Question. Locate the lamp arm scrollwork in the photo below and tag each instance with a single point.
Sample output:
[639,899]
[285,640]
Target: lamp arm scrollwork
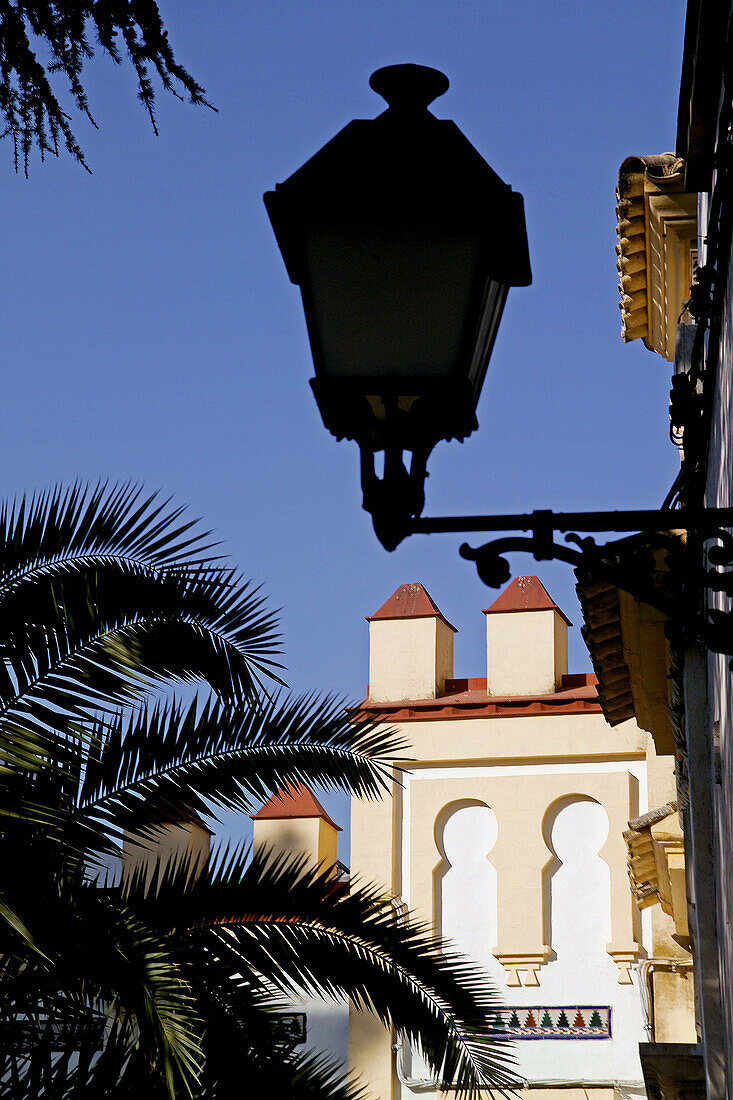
[630,563]
[494,569]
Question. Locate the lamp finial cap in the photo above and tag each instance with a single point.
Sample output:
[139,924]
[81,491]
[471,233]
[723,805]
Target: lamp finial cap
[409,87]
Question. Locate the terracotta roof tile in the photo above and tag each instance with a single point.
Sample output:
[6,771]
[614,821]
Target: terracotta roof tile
[293,801]
[578,694]
[410,601]
[525,594]
[627,686]
[601,632]
[637,177]
[177,814]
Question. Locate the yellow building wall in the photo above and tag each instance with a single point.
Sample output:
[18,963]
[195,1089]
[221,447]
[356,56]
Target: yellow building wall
[409,658]
[169,843]
[312,837]
[526,653]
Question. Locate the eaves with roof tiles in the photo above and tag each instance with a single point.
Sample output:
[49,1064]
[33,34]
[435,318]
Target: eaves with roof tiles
[639,177]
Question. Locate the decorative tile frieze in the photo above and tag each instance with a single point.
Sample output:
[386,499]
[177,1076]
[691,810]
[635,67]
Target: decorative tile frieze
[554,1022]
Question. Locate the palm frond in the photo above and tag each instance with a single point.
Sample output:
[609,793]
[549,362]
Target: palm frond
[105,593]
[462,1052]
[15,925]
[245,1040]
[107,596]
[230,756]
[308,1076]
[107,628]
[163,1005]
[104,520]
[302,931]
[100,958]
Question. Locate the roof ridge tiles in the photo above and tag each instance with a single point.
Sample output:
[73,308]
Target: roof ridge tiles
[525,594]
[410,601]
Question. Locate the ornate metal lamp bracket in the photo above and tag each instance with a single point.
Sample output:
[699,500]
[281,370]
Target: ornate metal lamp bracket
[493,567]
[628,563]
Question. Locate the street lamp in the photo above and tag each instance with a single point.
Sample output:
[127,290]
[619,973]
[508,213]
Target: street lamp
[404,243]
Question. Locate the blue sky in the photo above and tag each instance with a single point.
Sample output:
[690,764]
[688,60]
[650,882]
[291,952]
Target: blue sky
[150,331]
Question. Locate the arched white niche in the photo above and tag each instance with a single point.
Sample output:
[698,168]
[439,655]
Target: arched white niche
[465,880]
[577,890]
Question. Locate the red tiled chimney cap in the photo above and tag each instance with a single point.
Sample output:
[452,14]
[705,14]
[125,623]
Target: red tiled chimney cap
[180,814]
[525,594]
[410,601]
[293,801]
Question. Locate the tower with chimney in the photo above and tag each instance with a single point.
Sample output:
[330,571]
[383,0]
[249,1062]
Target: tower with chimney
[519,814]
[506,834]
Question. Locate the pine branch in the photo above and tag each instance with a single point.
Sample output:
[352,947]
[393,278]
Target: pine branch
[28,102]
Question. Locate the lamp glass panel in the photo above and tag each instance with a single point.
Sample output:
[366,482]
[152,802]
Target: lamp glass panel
[491,311]
[393,303]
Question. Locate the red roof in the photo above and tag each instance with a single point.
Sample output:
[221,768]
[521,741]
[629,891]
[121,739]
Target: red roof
[179,814]
[410,601]
[293,801]
[578,694]
[525,594]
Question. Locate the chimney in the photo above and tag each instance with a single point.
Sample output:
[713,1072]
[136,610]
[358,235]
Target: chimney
[294,823]
[410,648]
[526,641]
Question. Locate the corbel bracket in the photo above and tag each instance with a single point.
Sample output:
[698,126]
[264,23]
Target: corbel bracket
[523,963]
